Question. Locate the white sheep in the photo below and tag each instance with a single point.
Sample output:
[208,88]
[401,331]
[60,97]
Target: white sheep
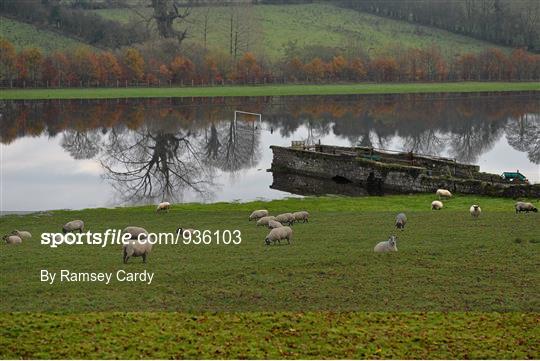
[255,215]
[301,216]
[525,207]
[12,239]
[443,193]
[136,248]
[187,232]
[277,234]
[386,246]
[134,232]
[73,226]
[22,234]
[163,206]
[401,220]
[436,205]
[274,224]
[264,220]
[285,218]
[475,210]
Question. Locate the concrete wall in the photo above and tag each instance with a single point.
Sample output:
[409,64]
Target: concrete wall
[380,178]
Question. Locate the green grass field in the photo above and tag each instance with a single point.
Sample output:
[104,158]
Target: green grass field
[24,35]
[446,260]
[268,90]
[326,295]
[313,24]
[283,335]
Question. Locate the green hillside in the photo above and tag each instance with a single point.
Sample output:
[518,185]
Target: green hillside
[271,27]
[24,35]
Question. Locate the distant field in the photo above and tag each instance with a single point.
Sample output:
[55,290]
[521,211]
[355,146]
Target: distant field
[24,35]
[316,24]
[267,90]
[283,335]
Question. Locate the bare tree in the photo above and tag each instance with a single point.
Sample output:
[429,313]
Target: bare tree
[523,134]
[468,141]
[243,28]
[149,165]
[206,17]
[82,145]
[428,141]
[166,15]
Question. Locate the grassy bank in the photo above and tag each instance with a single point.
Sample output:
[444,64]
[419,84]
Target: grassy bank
[446,260]
[24,35]
[268,90]
[309,335]
[327,295]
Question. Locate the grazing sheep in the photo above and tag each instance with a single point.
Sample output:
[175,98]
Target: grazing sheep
[22,234]
[475,210]
[264,220]
[136,248]
[12,239]
[188,231]
[401,220]
[301,216]
[525,207]
[387,246]
[274,224]
[443,193]
[255,215]
[135,232]
[73,226]
[277,234]
[436,205]
[163,206]
[285,218]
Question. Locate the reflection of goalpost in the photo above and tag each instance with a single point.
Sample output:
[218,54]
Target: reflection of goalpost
[248,113]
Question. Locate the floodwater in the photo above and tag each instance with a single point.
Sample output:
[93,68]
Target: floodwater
[76,154]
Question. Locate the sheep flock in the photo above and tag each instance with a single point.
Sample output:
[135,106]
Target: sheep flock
[280,227]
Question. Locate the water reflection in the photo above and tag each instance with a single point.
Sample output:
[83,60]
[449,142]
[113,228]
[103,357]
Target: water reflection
[153,149]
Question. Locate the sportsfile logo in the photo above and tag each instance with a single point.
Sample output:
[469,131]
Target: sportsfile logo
[117,237]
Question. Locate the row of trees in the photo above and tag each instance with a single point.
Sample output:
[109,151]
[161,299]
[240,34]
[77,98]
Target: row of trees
[84,67]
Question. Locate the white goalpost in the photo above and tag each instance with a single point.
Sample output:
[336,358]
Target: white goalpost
[257,123]
[236,112]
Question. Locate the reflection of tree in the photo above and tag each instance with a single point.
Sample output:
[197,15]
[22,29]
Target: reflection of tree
[317,130]
[523,134]
[212,143]
[473,138]
[81,145]
[232,146]
[149,165]
[425,142]
[364,131]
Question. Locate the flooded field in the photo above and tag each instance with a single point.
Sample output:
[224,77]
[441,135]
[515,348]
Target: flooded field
[101,153]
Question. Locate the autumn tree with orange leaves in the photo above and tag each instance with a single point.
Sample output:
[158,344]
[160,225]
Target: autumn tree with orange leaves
[133,65]
[8,60]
